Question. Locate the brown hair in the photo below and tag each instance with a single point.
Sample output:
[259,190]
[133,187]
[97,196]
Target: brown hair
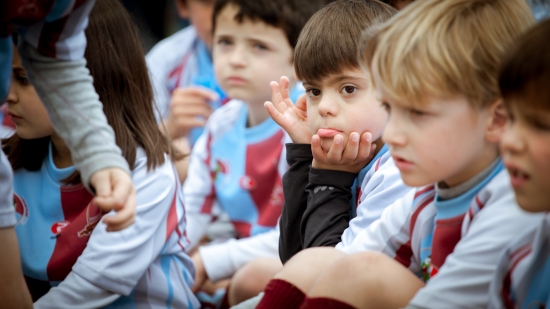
[116,62]
[289,15]
[525,74]
[446,48]
[328,42]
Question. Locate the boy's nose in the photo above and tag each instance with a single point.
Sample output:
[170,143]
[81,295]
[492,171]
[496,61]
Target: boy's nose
[328,106]
[512,141]
[12,96]
[393,134]
[238,57]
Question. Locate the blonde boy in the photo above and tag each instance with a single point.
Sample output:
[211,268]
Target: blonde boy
[435,67]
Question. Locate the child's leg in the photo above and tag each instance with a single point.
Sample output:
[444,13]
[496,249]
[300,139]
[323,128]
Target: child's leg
[365,280]
[250,280]
[288,287]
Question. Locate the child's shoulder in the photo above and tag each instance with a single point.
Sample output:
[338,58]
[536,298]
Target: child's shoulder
[174,46]
[163,175]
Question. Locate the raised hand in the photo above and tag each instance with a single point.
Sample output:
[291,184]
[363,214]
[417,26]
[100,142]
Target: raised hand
[349,157]
[292,118]
[189,108]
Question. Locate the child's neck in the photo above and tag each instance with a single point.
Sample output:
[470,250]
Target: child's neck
[60,152]
[256,114]
[478,165]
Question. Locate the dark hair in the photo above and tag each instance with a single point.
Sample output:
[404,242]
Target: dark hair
[525,72]
[328,43]
[116,62]
[289,15]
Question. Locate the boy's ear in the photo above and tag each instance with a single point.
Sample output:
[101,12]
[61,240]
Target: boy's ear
[496,122]
[181,6]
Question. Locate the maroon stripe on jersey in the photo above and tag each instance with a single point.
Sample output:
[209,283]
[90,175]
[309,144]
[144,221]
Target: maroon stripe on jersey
[404,254]
[266,190]
[447,234]
[172,219]
[71,241]
[242,228]
[515,258]
[51,32]
[176,73]
[211,197]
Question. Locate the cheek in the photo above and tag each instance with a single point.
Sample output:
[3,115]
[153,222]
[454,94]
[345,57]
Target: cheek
[540,152]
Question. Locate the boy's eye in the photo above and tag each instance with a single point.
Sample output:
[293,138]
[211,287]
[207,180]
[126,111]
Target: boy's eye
[259,46]
[312,92]
[349,89]
[22,80]
[386,106]
[416,112]
[224,42]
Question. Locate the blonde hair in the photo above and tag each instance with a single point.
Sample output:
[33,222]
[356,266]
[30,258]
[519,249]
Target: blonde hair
[445,48]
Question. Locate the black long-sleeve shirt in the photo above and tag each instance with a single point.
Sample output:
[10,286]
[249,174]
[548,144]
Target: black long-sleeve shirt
[317,204]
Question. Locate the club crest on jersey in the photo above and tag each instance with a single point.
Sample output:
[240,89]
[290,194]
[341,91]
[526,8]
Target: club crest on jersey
[277,196]
[221,167]
[21,209]
[59,226]
[248,183]
[428,270]
[93,215]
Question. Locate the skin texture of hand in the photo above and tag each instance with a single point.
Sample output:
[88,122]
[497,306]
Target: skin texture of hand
[13,290]
[115,191]
[352,157]
[189,108]
[292,118]
[200,272]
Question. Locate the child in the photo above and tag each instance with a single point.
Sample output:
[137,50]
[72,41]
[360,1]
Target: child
[435,68]
[340,103]
[68,258]
[236,165]
[522,277]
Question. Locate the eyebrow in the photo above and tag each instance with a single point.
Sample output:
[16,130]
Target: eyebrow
[339,78]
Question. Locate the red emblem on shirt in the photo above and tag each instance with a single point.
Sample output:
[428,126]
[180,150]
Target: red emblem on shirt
[248,183]
[59,226]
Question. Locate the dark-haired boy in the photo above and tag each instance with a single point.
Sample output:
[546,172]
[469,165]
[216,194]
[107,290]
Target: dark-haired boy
[521,279]
[237,164]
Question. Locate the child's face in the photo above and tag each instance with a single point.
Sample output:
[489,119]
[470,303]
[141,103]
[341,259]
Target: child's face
[248,56]
[441,141]
[525,150]
[341,104]
[24,106]
[199,13]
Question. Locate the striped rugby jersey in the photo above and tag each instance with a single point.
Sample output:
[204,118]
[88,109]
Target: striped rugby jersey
[450,244]
[55,28]
[523,276]
[238,170]
[60,232]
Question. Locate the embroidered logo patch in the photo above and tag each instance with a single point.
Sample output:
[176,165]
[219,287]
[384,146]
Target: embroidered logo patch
[59,226]
[21,209]
[248,183]
[93,215]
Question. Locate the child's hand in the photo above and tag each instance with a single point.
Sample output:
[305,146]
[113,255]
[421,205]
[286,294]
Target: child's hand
[349,158]
[200,272]
[115,191]
[189,108]
[293,119]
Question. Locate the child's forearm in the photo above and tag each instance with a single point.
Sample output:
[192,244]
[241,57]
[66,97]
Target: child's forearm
[294,183]
[328,207]
[67,91]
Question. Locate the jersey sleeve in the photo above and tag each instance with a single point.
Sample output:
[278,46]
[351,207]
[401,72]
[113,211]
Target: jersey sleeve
[378,192]
[295,180]
[468,271]
[221,261]
[115,261]
[199,192]
[389,234]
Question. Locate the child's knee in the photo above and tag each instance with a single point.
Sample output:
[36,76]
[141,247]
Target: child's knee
[251,279]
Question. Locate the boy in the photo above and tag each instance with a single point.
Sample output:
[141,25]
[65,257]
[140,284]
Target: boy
[236,164]
[521,280]
[340,103]
[435,68]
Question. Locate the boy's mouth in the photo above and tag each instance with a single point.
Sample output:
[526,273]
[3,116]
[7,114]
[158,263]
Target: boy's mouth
[328,132]
[236,81]
[402,164]
[517,177]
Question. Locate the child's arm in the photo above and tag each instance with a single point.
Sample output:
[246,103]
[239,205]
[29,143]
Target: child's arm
[58,72]
[13,290]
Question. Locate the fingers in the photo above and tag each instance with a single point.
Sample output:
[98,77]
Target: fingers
[366,148]
[285,92]
[274,113]
[197,92]
[115,191]
[336,151]
[319,154]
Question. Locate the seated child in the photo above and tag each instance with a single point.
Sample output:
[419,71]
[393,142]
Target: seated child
[69,260]
[435,69]
[521,280]
[237,164]
[340,103]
